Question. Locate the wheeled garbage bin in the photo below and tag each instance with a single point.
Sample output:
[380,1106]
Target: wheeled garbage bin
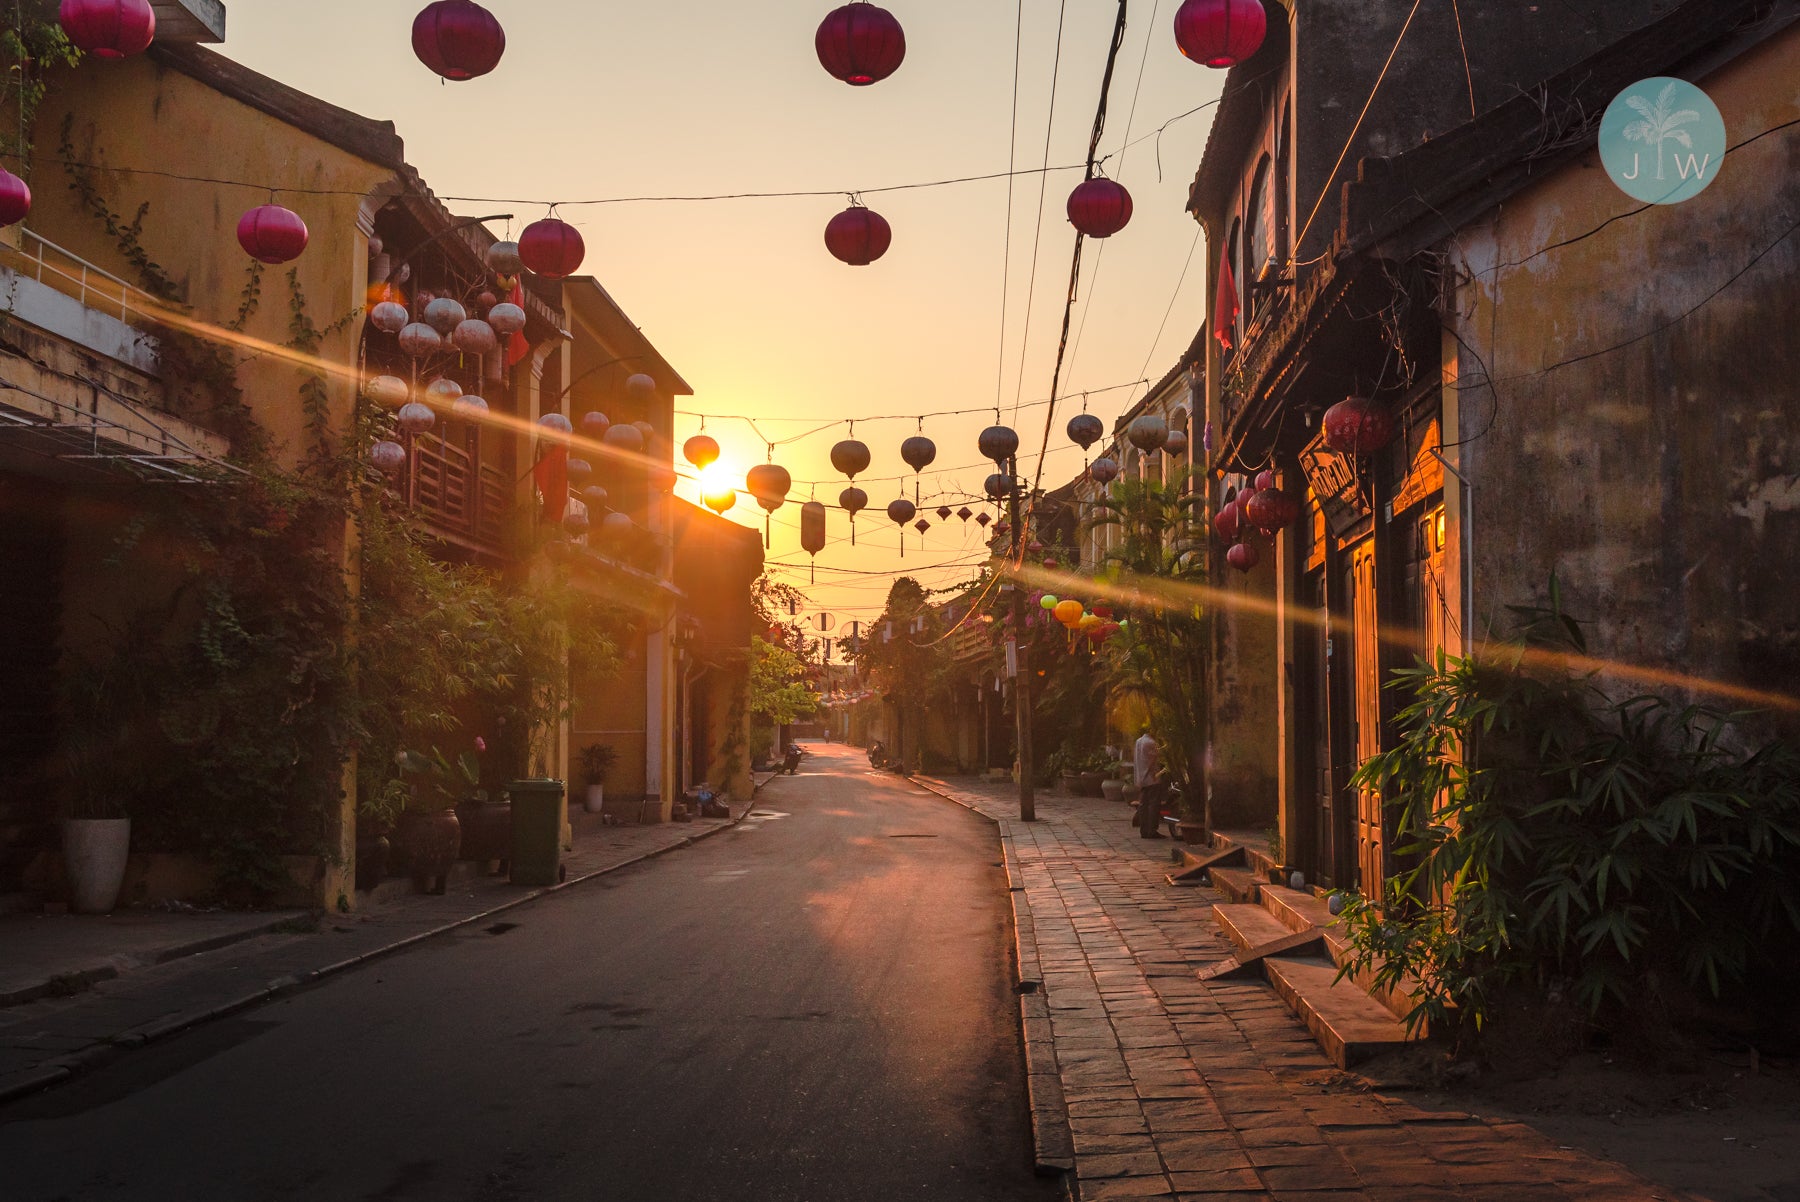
[536,831]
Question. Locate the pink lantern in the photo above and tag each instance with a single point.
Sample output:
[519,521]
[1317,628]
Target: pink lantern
[108,28]
[271,234]
[552,248]
[702,450]
[860,44]
[1220,33]
[1358,426]
[474,337]
[1270,509]
[1099,208]
[1243,557]
[390,317]
[506,318]
[858,236]
[458,39]
[15,198]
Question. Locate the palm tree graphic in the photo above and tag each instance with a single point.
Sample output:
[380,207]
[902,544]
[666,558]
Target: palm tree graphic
[1660,124]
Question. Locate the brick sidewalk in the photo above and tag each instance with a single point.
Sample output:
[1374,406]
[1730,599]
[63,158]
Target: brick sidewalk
[45,1042]
[1179,1089]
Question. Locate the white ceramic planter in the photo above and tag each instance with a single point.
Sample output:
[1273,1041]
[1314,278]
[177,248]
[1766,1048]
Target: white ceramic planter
[95,850]
[595,799]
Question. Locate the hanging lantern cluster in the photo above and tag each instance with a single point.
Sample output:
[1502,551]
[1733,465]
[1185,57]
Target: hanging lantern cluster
[458,39]
[1220,33]
[1358,426]
[273,235]
[860,44]
[1261,507]
[1099,207]
[858,236]
[108,28]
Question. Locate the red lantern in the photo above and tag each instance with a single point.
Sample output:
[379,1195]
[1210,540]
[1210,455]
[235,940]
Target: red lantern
[272,234]
[860,44]
[701,450]
[458,39]
[15,198]
[108,28]
[1243,557]
[1226,522]
[1100,208]
[1220,33]
[1358,426]
[858,236]
[552,248]
[1270,509]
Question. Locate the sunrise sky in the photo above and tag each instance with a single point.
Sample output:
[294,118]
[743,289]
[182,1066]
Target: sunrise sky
[685,97]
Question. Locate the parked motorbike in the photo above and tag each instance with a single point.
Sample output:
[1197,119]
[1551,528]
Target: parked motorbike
[878,754]
[790,763]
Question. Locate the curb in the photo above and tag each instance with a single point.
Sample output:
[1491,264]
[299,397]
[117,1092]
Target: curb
[1053,1141]
[62,1070]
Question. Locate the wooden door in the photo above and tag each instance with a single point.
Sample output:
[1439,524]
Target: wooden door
[1365,685]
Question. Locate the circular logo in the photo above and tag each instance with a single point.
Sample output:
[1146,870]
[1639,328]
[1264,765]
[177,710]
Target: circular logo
[1662,140]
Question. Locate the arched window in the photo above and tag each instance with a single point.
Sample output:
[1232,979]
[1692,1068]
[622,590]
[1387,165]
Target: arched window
[1284,158]
[1259,240]
[1237,264]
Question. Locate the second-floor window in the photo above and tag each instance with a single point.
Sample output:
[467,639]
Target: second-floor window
[1259,233]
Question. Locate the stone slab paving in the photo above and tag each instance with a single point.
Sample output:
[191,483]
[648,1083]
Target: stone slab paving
[45,1042]
[1177,1088]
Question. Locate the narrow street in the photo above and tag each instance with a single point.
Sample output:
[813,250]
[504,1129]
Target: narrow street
[814,1005]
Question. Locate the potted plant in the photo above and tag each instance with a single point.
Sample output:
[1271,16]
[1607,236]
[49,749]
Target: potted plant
[376,814]
[429,836]
[597,760]
[1090,774]
[111,751]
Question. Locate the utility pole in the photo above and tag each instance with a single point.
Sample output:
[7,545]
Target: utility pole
[1021,682]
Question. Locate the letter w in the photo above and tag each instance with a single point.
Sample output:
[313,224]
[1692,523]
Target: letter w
[1699,169]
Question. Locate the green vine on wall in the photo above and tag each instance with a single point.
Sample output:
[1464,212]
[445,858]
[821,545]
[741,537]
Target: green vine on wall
[30,49]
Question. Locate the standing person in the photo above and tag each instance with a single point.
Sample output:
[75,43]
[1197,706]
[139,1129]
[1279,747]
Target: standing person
[1147,774]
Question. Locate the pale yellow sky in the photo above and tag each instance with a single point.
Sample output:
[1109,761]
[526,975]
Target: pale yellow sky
[704,97]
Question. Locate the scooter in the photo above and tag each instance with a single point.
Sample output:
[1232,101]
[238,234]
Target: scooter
[878,754]
[790,763]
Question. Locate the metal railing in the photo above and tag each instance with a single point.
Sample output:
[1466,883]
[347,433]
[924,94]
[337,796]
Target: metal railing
[70,274]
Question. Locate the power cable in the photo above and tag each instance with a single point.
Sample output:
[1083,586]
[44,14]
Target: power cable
[1037,237]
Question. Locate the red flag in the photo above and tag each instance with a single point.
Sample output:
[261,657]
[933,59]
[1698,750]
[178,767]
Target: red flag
[516,346]
[1225,305]
[551,474]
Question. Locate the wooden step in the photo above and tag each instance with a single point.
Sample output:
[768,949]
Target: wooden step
[1236,883]
[1248,926]
[1350,1025]
[1195,865]
[1296,910]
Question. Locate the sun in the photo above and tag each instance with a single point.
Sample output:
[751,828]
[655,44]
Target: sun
[718,479]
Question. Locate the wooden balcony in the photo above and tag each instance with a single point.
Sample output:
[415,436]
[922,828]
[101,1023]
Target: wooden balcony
[457,490]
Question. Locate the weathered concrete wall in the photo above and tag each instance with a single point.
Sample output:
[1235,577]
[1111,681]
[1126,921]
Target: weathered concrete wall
[1661,479]
[1243,765]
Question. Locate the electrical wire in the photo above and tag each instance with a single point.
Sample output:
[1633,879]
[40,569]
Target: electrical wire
[1012,153]
[1037,237]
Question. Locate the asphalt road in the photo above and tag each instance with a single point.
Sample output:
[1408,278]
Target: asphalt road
[812,1006]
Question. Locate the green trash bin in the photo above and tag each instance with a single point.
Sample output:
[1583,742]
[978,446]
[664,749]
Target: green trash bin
[536,831]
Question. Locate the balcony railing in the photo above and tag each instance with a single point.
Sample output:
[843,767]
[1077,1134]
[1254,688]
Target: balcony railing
[453,490]
[49,264]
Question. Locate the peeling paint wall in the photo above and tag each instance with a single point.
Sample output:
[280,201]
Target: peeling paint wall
[1638,430]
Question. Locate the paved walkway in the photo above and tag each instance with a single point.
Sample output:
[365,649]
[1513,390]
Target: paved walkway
[1176,1088]
[43,1042]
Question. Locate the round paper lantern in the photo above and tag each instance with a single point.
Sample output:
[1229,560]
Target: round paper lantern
[556,422]
[769,484]
[594,495]
[579,469]
[552,249]
[469,406]
[1035,547]
[419,340]
[1089,621]
[15,198]
[702,450]
[617,527]
[1220,33]
[389,391]
[484,301]
[640,387]
[1225,522]
[901,512]
[1068,612]
[503,258]
[860,44]
[1100,208]
[506,318]
[1048,601]
[594,424]
[575,521]
[858,236]
[1243,556]
[108,28]
[1265,479]
[1085,430]
[1358,426]
[474,337]
[853,501]
[444,315]
[458,39]
[1051,562]
[720,499]
[918,452]
[646,431]
[812,527]
[1176,444]
[1103,471]
[271,234]
[415,417]
[997,485]
[390,317]
[850,457]
[624,437]
[1102,610]
[998,443]
[443,391]
[387,456]
[1149,432]
[1271,509]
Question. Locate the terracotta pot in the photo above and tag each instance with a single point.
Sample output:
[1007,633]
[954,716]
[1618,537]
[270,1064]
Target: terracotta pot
[428,844]
[486,830]
[1090,784]
[372,855]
